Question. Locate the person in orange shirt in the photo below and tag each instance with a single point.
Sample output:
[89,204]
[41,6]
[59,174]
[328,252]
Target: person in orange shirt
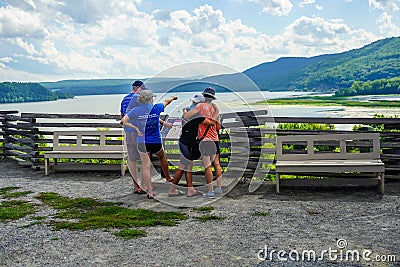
[209,147]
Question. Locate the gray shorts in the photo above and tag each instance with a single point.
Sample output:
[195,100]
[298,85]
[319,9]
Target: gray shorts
[131,145]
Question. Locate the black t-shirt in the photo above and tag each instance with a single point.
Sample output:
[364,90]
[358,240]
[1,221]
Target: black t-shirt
[189,131]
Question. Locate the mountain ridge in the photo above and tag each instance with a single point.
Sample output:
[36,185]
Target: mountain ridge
[326,73]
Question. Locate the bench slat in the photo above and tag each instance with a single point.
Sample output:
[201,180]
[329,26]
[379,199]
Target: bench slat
[74,145]
[311,161]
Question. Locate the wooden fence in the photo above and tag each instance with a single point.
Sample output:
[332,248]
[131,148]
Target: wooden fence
[247,140]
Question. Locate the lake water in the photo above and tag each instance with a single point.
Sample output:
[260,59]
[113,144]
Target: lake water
[227,102]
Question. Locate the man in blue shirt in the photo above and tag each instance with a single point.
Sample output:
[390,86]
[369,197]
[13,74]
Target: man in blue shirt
[145,120]
[129,102]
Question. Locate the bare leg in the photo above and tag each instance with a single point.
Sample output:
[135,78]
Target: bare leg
[189,180]
[146,173]
[208,172]
[133,171]
[164,164]
[218,170]
[177,177]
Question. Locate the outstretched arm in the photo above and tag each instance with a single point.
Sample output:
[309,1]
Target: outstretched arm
[169,100]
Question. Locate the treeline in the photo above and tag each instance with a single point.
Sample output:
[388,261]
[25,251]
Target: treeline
[16,92]
[379,60]
[376,87]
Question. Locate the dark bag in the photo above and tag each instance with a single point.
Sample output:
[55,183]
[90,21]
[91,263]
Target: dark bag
[195,148]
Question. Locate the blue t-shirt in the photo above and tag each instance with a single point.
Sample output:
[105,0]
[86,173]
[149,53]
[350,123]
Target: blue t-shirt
[128,103]
[147,118]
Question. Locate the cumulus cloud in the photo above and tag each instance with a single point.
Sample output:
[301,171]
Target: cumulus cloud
[387,25]
[306,2]
[386,5]
[119,40]
[275,7]
[316,35]
[15,22]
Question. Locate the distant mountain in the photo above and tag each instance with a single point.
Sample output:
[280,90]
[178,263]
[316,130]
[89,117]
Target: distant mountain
[379,60]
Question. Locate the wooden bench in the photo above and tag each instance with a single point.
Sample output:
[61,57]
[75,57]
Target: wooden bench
[355,153]
[89,144]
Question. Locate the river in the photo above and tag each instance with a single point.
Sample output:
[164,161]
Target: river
[227,102]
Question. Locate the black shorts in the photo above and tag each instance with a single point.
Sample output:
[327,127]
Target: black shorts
[209,148]
[149,148]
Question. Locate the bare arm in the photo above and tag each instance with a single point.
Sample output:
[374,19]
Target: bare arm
[208,122]
[169,100]
[191,113]
[125,122]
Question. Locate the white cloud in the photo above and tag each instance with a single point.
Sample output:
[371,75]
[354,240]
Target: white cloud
[29,48]
[386,5]
[15,22]
[275,7]
[387,25]
[315,35]
[7,59]
[121,41]
[306,2]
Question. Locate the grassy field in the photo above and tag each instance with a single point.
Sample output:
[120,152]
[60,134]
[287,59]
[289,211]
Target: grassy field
[330,101]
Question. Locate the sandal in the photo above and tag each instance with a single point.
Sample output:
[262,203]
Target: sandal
[180,193]
[150,197]
[197,193]
[139,192]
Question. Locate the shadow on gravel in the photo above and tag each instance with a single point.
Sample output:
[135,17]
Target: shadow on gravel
[309,193]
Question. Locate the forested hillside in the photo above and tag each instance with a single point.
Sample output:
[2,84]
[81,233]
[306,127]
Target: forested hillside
[15,92]
[381,86]
[379,60]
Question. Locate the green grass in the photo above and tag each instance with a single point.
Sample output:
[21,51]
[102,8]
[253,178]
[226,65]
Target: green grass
[329,101]
[15,210]
[204,209]
[130,233]
[87,213]
[18,194]
[5,190]
[261,213]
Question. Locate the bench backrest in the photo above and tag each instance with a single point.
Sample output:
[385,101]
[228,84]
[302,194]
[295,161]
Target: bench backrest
[329,146]
[91,140]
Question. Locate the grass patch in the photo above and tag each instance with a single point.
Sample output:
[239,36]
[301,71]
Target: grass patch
[261,213]
[18,194]
[209,218]
[88,213]
[204,209]
[330,101]
[15,210]
[130,233]
[5,190]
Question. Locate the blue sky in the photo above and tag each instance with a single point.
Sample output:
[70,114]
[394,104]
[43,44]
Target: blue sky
[50,40]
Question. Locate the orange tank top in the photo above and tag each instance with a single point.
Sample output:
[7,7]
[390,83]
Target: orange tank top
[207,110]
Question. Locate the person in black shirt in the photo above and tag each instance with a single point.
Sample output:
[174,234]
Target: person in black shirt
[186,142]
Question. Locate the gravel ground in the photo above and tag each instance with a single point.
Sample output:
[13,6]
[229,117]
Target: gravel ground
[299,220]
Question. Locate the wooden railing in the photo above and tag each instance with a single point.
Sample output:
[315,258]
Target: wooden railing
[25,137]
